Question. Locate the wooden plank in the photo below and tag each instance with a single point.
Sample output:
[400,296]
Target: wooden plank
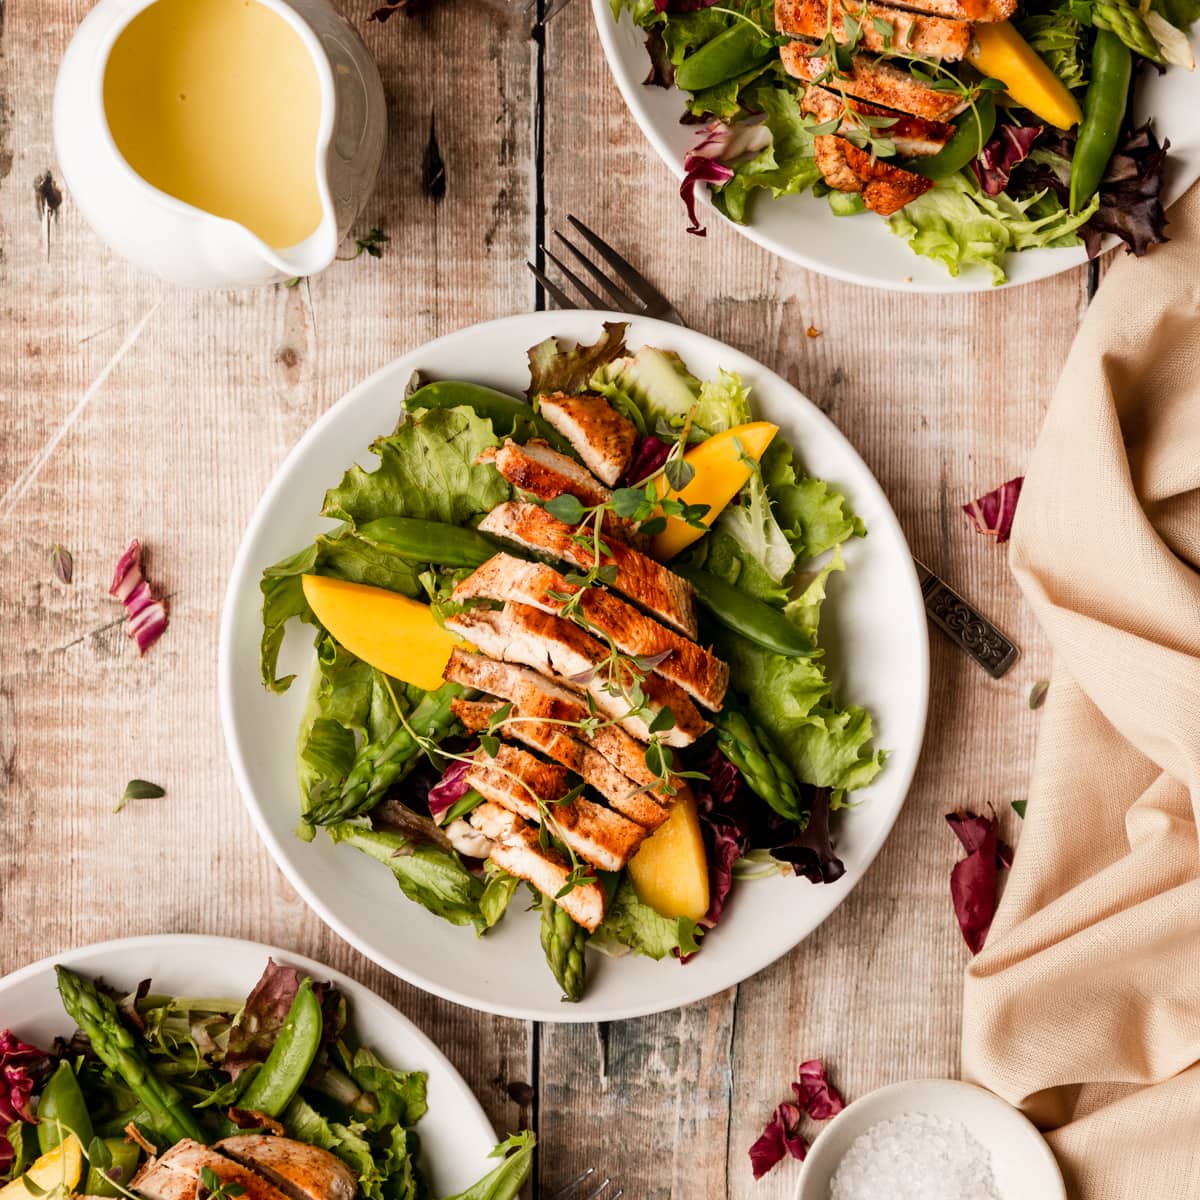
[943,397]
[176,447]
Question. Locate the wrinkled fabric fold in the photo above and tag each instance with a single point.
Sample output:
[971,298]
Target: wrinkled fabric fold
[1084,1006]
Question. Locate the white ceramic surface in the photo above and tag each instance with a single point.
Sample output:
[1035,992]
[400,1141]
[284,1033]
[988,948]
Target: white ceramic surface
[1022,1164]
[861,249]
[181,243]
[875,626]
[456,1136]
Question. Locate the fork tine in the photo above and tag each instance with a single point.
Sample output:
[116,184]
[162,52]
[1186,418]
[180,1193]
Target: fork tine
[600,1190]
[587,293]
[564,1192]
[637,283]
[557,294]
[619,298]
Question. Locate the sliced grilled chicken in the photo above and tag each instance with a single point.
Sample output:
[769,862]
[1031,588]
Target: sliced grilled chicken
[699,672]
[885,188]
[908,32]
[517,850]
[300,1171]
[646,582]
[541,471]
[875,81]
[603,838]
[532,693]
[914,136]
[175,1175]
[521,634]
[625,796]
[603,438]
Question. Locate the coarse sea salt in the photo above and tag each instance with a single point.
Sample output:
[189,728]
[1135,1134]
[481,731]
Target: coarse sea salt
[915,1157]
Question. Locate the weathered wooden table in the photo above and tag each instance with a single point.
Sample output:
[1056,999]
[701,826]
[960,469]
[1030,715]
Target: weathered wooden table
[163,414]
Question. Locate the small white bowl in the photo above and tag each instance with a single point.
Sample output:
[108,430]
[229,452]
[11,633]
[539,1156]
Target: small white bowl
[1022,1164]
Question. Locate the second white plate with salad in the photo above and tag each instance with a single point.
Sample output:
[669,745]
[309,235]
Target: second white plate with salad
[377,759]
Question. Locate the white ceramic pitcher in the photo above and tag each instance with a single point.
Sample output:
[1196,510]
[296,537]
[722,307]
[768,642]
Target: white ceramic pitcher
[182,243]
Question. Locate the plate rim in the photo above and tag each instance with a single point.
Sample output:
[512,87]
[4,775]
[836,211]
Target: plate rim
[211,944]
[240,580]
[974,283]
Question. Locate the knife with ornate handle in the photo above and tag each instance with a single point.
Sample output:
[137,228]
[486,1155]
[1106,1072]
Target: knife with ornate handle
[968,628]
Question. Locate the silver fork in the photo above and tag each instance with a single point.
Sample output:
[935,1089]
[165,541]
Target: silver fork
[553,7]
[642,297]
[577,1188]
[960,621]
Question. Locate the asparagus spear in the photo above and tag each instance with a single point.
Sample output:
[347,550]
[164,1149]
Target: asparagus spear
[765,773]
[97,1016]
[563,942]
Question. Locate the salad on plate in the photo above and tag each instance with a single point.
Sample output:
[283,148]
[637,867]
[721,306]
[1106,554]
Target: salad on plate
[974,128]
[159,1097]
[573,640]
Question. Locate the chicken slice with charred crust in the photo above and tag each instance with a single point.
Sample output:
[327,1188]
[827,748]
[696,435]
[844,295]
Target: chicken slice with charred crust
[516,849]
[604,439]
[300,1171]
[885,189]
[647,583]
[914,137]
[881,28]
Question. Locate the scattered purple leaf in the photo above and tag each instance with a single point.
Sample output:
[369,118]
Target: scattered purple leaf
[973,880]
[62,563]
[147,613]
[1009,147]
[780,1138]
[814,1093]
[993,512]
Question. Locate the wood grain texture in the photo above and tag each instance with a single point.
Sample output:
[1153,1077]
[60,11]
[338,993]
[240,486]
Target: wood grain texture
[943,397]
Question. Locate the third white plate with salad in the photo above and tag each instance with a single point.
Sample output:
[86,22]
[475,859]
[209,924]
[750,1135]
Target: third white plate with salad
[864,735]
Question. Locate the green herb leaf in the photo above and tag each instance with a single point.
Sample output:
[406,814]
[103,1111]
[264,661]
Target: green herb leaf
[372,242]
[626,502]
[664,720]
[140,789]
[566,508]
[98,1154]
[489,744]
[679,473]
[1018,807]
[1037,693]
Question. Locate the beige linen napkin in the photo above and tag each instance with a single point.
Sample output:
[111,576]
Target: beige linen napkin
[1084,1006]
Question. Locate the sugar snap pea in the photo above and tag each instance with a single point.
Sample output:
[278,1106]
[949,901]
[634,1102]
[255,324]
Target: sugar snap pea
[429,541]
[972,129]
[754,619]
[1103,115]
[295,1047]
[739,48]
[510,417]
[62,1110]
[105,1181]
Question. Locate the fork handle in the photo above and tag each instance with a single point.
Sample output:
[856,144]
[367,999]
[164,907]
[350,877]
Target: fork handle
[964,625]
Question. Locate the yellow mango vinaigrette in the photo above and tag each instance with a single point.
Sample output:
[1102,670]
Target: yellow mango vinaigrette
[218,103]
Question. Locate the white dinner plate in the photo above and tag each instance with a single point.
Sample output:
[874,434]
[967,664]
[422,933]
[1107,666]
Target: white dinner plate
[861,249]
[456,1136]
[875,625]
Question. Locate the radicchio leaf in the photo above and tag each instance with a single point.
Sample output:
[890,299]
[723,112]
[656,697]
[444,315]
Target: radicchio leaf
[781,1137]
[725,823]
[697,169]
[811,853]
[993,512]
[651,453]
[814,1093]
[973,880]
[146,612]
[22,1068]
[707,163]
[449,790]
[662,69]
[1010,145]
[1131,196]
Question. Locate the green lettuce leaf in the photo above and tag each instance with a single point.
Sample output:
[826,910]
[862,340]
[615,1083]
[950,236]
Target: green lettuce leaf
[1183,14]
[283,599]
[638,927]
[555,366]
[751,523]
[833,749]
[431,876]
[814,516]
[427,469]
[498,892]
[401,1094]
[786,167]
[805,610]
[506,1181]
[719,554]
[956,224]
[1057,37]
[780,691]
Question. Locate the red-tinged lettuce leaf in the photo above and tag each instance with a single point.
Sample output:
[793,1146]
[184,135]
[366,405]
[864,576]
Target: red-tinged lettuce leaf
[725,821]
[651,453]
[973,880]
[257,1026]
[22,1068]
[698,169]
[1131,196]
[780,1138]
[662,69]
[553,367]
[814,1093]
[1010,145]
[449,790]
[993,512]
[811,852]
[147,614]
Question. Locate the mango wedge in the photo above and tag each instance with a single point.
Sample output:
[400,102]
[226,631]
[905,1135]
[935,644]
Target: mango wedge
[392,633]
[57,1170]
[670,871]
[720,474]
[1000,51]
